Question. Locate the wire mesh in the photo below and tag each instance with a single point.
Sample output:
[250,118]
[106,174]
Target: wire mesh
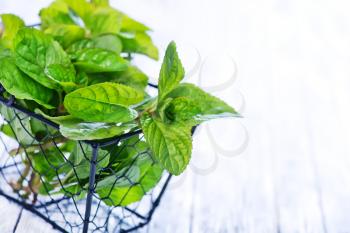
[77,186]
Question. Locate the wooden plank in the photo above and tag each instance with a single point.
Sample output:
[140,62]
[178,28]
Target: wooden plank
[28,222]
[330,151]
[174,213]
[297,194]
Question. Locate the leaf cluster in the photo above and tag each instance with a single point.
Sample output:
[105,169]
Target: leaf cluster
[76,70]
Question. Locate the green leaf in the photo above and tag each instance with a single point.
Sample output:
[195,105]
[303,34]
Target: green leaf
[132,181]
[107,42]
[47,162]
[7,130]
[41,130]
[104,102]
[80,45]
[100,2]
[148,104]
[65,34]
[171,144]
[81,8]
[171,73]
[82,79]
[5,53]
[161,110]
[20,128]
[94,131]
[97,60]
[132,77]
[43,59]
[141,43]
[57,119]
[76,129]
[78,154]
[193,105]
[101,19]
[21,86]
[56,13]
[122,156]
[69,176]
[181,109]
[104,20]
[81,158]
[12,24]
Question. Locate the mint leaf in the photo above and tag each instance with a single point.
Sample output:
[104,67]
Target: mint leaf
[57,119]
[44,162]
[181,109]
[161,110]
[81,158]
[81,8]
[65,34]
[192,105]
[104,20]
[171,73]
[100,2]
[95,60]
[171,144]
[128,150]
[20,85]
[132,77]
[80,45]
[82,79]
[76,129]
[130,184]
[108,42]
[125,177]
[19,126]
[104,102]
[140,43]
[12,24]
[56,13]
[135,174]
[43,59]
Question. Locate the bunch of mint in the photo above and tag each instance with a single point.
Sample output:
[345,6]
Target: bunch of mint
[76,70]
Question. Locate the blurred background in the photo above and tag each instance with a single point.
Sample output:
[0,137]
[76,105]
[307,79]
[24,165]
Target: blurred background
[285,65]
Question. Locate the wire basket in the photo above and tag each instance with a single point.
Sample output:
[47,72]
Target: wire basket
[39,173]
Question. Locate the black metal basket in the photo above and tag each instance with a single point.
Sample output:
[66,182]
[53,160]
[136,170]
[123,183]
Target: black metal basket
[69,211]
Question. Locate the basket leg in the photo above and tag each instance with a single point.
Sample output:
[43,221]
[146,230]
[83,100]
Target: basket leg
[18,220]
[91,188]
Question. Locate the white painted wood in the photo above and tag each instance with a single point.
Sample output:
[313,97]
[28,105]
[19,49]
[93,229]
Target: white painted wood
[28,223]
[176,204]
[295,179]
[331,164]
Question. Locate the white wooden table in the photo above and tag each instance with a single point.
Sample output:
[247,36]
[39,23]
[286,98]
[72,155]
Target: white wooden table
[293,60]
